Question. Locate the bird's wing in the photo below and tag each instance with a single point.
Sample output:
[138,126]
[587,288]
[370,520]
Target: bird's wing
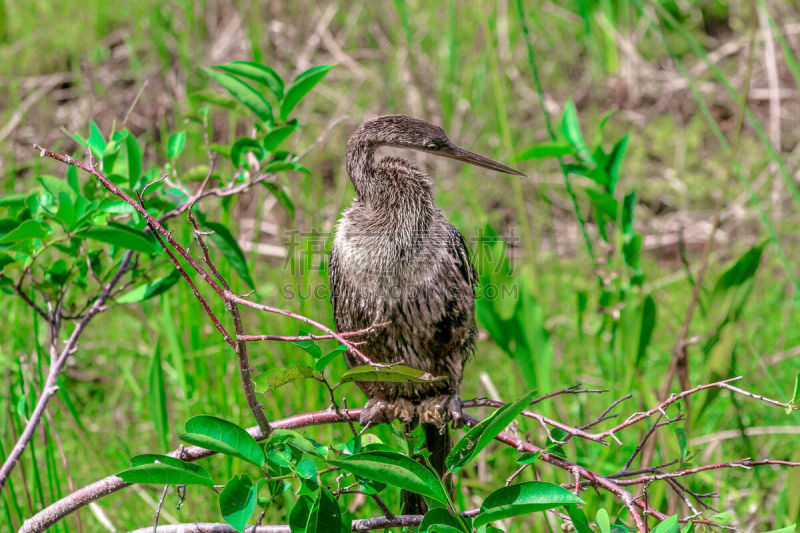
[460,252]
[333,279]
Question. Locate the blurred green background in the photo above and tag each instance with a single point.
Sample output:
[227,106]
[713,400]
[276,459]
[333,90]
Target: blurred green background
[673,72]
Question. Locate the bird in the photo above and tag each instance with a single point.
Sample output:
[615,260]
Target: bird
[396,261]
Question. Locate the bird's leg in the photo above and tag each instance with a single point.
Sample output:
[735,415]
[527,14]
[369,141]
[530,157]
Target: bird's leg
[380,411]
[440,410]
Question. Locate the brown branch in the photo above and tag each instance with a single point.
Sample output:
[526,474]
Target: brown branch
[338,336]
[301,338]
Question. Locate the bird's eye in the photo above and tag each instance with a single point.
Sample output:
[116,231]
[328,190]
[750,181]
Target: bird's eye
[431,146]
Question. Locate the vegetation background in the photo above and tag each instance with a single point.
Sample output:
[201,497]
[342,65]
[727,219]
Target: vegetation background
[674,72]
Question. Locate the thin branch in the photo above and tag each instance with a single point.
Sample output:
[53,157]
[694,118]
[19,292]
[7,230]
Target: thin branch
[301,338]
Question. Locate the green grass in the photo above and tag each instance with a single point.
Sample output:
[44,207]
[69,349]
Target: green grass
[468,69]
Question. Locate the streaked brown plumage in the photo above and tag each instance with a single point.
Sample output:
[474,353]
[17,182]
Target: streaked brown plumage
[396,259]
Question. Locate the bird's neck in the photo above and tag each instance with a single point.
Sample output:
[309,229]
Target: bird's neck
[394,189]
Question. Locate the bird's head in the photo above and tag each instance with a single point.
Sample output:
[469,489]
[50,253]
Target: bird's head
[403,131]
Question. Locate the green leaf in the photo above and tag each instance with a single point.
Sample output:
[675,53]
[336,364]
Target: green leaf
[647,327]
[280,195]
[121,236]
[394,469]
[614,162]
[298,442]
[30,229]
[175,144]
[157,399]
[278,377]
[298,517]
[440,519]
[72,179]
[243,93]
[272,140]
[787,529]
[219,435]
[324,361]
[395,374]
[741,271]
[241,147]
[603,522]
[5,260]
[680,434]
[134,154]
[571,131]
[482,434]
[579,520]
[238,499]
[259,73]
[545,150]
[301,85]
[524,498]
[56,186]
[670,525]
[162,469]
[325,515]
[281,166]
[150,290]
[96,142]
[226,242]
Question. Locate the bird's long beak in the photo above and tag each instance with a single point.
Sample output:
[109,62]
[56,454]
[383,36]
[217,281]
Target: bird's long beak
[458,153]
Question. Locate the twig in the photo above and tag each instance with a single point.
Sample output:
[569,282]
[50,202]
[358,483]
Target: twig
[301,338]
[158,508]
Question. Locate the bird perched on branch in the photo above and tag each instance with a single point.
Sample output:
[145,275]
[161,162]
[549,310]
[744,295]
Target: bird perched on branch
[396,259]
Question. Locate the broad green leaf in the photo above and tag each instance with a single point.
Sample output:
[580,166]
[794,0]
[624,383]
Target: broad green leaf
[219,435]
[603,522]
[394,469]
[308,346]
[157,399]
[523,499]
[603,202]
[276,136]
[55,186]
[280,195]
[614,162]
[324,361]
[297,441]
[30,229]
[226,242]
[301,85]
[150,290]
[298,517]
[440,519]
[134,154]
[482,434]
[571,131]
[256,72]
[545,150]
[670,525]
[162,469]
[65,213]
[238,499]
[395,374]
[787,529]
[175,144]
[526,458]
[72,179]
[240,149]
[325,515]
[278,377]
[5,260]
[96,142]
[579,520]
[281,165]
[121,236]
[243,93]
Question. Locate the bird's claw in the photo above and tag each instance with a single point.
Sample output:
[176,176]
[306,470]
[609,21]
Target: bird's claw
[379,411]
[440,410]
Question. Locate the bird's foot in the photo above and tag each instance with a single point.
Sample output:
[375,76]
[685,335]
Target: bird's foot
[378,411]
[440,410]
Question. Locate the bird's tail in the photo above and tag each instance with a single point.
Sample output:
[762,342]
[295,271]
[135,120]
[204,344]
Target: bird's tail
[438,443]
